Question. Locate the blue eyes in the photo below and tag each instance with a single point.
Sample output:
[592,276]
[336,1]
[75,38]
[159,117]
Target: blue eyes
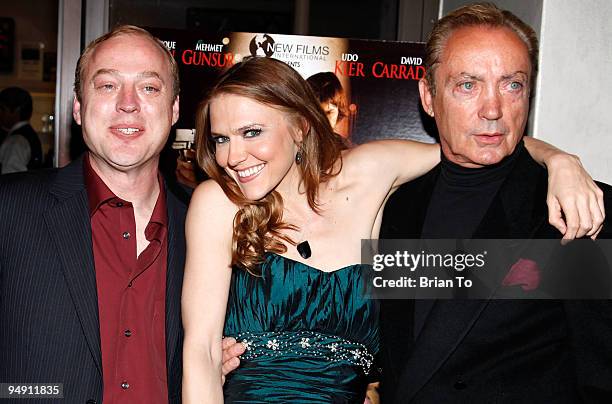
[106,87]
[251,133]
[247,134]
[150,89]
[111,87]
[469,86]
[220,139]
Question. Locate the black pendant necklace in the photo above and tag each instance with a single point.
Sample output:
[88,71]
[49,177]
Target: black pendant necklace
[304,249]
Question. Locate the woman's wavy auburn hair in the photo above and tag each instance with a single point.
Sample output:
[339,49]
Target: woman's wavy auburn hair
[258,225]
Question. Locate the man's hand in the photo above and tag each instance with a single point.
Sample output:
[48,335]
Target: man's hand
[231,351]
[573,195]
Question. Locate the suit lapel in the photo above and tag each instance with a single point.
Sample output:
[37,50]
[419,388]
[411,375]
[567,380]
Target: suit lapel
[403,218]
[419,204]
[422,307]
[70,228]
[446,322]
[174,275]
[406,209]
[439,325]
[515,211]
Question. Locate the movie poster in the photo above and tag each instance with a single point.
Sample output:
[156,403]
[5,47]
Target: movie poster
[377,93]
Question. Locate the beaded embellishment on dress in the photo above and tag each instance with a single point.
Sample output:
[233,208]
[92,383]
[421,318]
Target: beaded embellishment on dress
[306,343]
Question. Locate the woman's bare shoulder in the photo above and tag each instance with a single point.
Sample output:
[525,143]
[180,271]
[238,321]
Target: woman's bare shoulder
[366,161]
[209,199]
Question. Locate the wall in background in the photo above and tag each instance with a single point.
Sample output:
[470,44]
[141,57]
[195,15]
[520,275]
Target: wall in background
[529,11]
[35,22]
[574,95]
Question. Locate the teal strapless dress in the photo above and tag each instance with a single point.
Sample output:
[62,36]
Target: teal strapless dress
[311,336]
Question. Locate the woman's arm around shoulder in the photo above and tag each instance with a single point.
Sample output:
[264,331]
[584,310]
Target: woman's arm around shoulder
[575,203]
[393,161]
[205,289]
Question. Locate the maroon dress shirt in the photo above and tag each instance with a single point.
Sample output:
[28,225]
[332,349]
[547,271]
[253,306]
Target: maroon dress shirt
[131,295]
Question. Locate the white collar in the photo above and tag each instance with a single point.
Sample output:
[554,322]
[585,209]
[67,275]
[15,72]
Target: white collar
[18,125]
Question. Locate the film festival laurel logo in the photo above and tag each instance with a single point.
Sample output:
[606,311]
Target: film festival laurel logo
[262,45]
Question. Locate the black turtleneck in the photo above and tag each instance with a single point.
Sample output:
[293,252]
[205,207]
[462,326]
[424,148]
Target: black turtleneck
[462,196]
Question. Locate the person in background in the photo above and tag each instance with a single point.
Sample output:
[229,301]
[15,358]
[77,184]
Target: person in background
[3,133]
[21,149]
[331,95]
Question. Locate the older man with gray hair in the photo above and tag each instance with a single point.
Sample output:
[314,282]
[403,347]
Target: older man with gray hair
[481,65]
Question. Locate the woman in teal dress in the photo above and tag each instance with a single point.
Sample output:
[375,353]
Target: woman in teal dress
[273,242]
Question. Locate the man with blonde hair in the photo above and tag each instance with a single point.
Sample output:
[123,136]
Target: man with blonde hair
[92,255]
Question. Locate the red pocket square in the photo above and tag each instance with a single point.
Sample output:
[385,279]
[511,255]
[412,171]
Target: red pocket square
[524,273]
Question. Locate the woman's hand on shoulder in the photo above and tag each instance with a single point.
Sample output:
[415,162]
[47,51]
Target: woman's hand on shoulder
[575,202]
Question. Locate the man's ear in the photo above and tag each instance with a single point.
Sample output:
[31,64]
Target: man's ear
[426,97]
[76,108]
[175,110]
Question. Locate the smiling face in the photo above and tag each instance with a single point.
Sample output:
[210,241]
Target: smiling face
[255,144]
[481,102]
[127,105]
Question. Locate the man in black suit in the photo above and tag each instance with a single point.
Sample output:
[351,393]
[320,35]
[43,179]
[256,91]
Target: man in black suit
[92,255]
[481,63]
[21,150]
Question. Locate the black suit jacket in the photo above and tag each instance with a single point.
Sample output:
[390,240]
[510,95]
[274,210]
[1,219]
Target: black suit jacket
[49,329]
[502,351]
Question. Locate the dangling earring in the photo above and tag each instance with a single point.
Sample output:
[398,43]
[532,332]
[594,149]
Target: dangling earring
[298,157]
